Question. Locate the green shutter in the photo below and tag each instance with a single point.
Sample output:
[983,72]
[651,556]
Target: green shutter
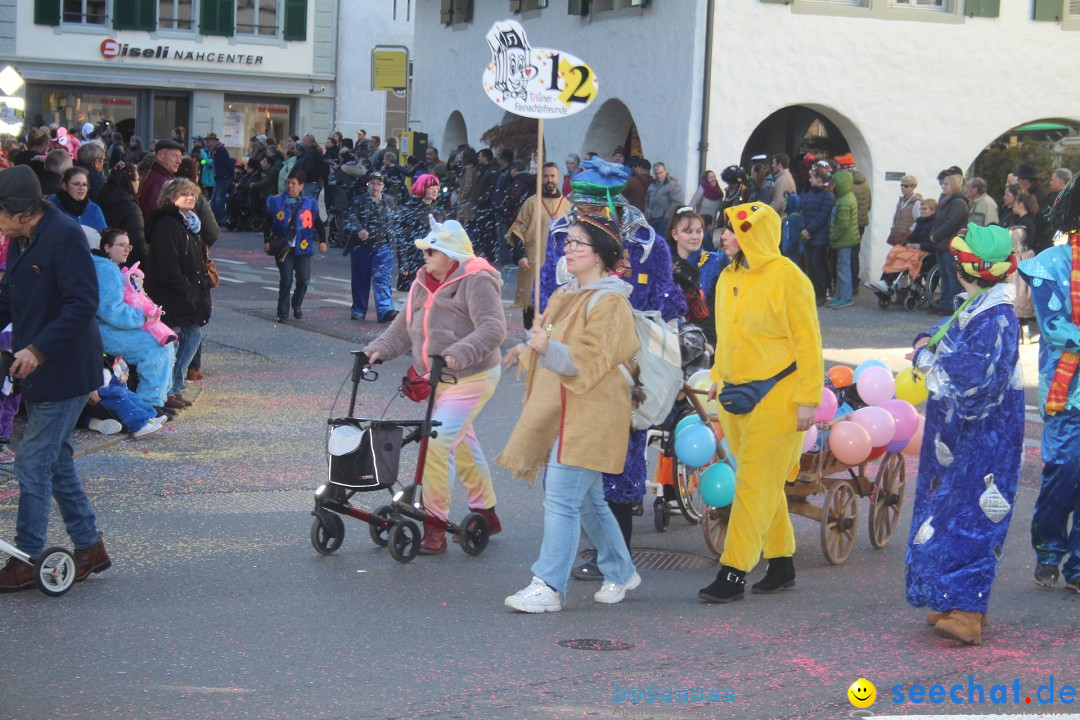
[982,8]
[295,20]
[777,2]
[217,17]
[446,12]
[135,15]
[46,12]
[1047,10]
[577,7]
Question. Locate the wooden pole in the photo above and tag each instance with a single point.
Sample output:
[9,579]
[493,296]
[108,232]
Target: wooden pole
[540,225]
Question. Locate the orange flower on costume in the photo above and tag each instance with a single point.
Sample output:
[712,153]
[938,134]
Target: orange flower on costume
[280,215]
[306,219]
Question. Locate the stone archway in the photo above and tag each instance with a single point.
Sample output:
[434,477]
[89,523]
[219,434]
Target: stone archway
[1048,143]
[611,126]
[455,133]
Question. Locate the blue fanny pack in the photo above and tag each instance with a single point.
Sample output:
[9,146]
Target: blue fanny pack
[741,399]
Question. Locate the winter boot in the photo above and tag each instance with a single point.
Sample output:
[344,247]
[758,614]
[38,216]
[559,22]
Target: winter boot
[779,576]
[963,626]
[933,618]
[434,542]
[730,584]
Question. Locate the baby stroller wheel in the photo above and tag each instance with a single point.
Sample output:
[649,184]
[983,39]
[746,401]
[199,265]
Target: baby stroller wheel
[326,537]
[911,302]
[661,515]
[381,537]
[404,541]
[474,534]
[54,571]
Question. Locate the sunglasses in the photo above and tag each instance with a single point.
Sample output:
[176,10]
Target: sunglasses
[429,252]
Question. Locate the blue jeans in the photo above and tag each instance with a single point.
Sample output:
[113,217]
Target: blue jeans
[372,266]
[217,200]
[299,265]
[574,497]
[44,467]
[311,190]
[843,274]
[949,285]
[190,339]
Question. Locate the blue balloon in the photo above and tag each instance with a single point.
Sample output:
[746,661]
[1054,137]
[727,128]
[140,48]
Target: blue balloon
[727,453]
[687,422]
[695,446]
[718,485]
[865,364]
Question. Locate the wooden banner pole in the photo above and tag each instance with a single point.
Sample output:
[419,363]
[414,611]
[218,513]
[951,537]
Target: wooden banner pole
[540,225]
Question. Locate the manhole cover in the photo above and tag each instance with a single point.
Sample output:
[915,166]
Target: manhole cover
[598,645]
[654,559]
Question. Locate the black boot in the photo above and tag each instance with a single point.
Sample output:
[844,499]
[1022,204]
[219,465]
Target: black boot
[779,576]
[730,584]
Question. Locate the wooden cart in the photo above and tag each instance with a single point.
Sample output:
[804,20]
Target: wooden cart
[838,514]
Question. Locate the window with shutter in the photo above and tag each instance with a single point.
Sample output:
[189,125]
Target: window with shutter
[295,25]
[175,15]
[46,12]
[455,12]
[84,12]
[1047,10]
[982,8]
[216,17]
[135,15]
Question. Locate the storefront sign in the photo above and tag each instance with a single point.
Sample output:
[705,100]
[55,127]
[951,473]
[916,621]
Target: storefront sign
[111,49]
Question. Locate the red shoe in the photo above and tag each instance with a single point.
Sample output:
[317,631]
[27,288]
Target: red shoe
[434,542]
[93,559]
[494,526]
[16,575]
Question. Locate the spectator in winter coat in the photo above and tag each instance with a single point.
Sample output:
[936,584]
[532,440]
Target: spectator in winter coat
[817,207]
[783,183]
[636,191]
[57,162]
[522,185]
[167,156]
[708,200]
[860,188]
[1058,180]
[906,213]
[92,157]
[118,202]
[952,215]
[72,200]
[210,231]
[465,204]
[844,237]
[224,169]
[984,210]
[313,166]
[664,196]
[573,166]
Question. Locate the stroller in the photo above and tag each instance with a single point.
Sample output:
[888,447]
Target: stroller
[243,209]
[363,457]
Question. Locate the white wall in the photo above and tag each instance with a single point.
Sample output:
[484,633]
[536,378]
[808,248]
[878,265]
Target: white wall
[363,26]
[647,62]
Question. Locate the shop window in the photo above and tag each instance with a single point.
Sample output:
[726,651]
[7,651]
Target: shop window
[47,104]
[257,17]
[246,116]
[84,12]
[176,15]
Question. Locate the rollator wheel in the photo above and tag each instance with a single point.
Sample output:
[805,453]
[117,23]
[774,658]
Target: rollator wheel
[474,534]
[381,537]
[404,541]
[54,571]
[661,515]
[327,538]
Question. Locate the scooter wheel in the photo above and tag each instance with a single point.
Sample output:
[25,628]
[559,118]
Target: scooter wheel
[54,571]
[404,541]
[327,538]
[381,537]
[474,534]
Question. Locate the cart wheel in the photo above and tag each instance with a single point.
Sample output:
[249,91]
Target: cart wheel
[911,302]
[714,525]
[381,537]
[327,538]
[661,515]
[404,541]
[886,499]
[687,492]
[839,516]
[256,222]
[474,534]
[54,571]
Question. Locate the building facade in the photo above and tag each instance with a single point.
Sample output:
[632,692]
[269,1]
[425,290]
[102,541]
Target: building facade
[235,67]
[906,86]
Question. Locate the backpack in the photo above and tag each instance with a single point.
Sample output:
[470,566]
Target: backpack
[659,365]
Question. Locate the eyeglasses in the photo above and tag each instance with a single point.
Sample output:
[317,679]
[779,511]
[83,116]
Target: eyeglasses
[121,246]
[574,242]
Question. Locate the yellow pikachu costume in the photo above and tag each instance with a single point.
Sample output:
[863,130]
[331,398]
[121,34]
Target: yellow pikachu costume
[766,319]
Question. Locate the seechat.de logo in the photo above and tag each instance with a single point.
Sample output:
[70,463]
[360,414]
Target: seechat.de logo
[110,48]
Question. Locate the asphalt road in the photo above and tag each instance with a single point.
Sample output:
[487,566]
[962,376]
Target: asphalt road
[217,606]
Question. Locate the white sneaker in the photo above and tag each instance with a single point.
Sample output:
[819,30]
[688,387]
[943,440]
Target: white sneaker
[105,427]
[610,593]
[149,428]
[536,598]
[161,419]
[878,286]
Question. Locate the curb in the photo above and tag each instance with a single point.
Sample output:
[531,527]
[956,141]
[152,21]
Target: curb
[101,442]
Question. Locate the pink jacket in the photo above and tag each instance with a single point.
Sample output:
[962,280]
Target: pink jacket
[464,318]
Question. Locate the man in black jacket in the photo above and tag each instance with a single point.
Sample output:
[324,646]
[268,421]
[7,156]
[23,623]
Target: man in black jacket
[50,295]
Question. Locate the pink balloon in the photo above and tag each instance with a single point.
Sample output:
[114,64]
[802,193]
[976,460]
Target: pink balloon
[914,445]
[906,417]
[827,411]
[876,421]
[850,442]
[809,442]
[875,385]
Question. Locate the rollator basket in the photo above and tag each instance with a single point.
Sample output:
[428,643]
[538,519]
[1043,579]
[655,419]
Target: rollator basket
[364,458]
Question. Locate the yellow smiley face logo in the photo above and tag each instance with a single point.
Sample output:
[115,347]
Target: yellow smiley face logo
[862,693]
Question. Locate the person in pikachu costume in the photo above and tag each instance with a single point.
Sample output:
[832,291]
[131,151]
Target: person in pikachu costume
[768,339]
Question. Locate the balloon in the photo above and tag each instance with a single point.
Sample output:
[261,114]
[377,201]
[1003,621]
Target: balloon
[717,485]
[876,421]
[911,386]
[906,417]
[687,422]
[875,453]
[915,443]
[695,445]
[809,443]
[727,453]
[867,364]
[875,385]
[850,442]
[827,411]
[841,375]
[897,445]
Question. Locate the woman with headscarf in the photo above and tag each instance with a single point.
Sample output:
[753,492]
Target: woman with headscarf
[969,465]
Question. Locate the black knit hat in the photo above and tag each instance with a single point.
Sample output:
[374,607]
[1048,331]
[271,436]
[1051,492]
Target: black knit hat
[19,188]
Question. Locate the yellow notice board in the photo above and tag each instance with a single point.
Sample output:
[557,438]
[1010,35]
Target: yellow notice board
[390,69]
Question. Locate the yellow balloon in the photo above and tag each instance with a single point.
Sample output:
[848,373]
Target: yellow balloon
[911,386]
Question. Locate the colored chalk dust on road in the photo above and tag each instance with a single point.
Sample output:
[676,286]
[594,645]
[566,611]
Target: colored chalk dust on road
[1071,716]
